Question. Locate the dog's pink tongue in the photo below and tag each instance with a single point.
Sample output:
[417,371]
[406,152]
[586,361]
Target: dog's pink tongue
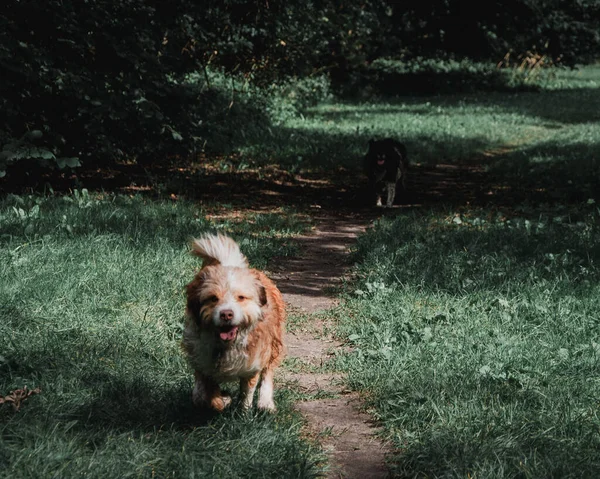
[228,335]
[380,162]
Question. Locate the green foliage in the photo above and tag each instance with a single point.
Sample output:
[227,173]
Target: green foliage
[26,149]
[237,112]
[561,31]
[104,81]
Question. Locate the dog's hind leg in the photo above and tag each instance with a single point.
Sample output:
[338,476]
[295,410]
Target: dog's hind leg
[401,177]
[391,194]
[265,393]
[247,388]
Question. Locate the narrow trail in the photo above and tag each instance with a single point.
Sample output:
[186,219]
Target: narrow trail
[348,435]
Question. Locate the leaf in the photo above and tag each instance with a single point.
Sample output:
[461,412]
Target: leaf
[176,136]
[34,212]
[41,153]
[17,396]
[24,152]
[563,353]
[33,135]
[20,212]
[353,337]
[504,303]
[427,334]
[71,162]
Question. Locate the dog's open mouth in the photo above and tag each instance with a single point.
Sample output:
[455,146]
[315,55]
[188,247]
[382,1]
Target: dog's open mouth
[228,333]
[380,162]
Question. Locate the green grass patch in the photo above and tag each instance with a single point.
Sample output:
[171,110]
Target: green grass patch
[477,340]
[474,330]
[91,312]
[533,139]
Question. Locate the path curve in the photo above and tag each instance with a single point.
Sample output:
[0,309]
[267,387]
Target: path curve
[307,283]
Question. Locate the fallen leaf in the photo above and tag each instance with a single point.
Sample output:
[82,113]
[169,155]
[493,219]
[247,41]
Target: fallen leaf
[17,396]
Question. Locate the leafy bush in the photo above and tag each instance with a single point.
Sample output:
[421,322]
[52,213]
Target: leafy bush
[105,80]
[25,148]
[387,76]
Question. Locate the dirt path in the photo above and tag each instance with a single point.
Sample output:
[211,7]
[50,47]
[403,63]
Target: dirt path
[349,436]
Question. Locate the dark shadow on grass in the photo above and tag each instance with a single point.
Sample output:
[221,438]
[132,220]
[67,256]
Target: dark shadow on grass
[11,315]
[307,168]
[102,398]
[137,404]
[572,106]
[550,172]
[314,169]
[499,257]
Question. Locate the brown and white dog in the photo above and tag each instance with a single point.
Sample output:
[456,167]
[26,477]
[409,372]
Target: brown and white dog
[234,328]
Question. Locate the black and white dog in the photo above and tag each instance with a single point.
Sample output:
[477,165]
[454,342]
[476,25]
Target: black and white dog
[386,164]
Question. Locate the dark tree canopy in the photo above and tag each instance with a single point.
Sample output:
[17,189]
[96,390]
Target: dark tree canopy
[101,78]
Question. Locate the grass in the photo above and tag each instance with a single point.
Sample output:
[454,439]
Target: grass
[478,343]
[475,329]
[91,295]
[546,138]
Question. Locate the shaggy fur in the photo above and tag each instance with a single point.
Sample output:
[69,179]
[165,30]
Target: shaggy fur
[234,327]
[386,164]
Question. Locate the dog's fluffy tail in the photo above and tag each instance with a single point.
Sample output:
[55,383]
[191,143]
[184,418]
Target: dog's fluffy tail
[219,249]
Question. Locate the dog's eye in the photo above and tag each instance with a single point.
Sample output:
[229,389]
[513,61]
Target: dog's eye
[241,297]
[213,299]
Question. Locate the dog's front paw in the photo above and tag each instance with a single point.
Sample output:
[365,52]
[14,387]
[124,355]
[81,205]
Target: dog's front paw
[218,403]
[265,395]
[266,405]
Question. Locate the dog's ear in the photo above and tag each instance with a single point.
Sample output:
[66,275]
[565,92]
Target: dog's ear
[262,295]
[261,290]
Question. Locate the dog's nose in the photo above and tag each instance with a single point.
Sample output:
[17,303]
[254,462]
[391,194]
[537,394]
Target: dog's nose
[226,315]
